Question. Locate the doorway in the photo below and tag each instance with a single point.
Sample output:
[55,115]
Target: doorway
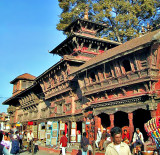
[105,120]
[140,117]
[121,119]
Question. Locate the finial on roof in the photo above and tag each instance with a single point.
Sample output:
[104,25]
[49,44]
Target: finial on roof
[148,27]
[143,30]
[86,13]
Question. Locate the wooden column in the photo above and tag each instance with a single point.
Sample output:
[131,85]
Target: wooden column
[111,120]
[131,126]
[97,125]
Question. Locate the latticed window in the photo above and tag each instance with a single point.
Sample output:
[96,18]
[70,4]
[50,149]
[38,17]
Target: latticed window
[126,65]
[26,84]
[59,109]
[107,71]
[93,77]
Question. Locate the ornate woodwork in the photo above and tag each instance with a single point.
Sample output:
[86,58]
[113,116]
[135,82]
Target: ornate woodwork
[11,109]
[29,101]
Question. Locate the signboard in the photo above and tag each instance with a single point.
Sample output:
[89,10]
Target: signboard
[74,125]
[48,132]
[35,134]
[54,131]
[62,126]
[73,138]
[73,131]
[53,141]
[42,134]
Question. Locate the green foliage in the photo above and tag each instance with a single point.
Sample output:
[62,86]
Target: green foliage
[123,17]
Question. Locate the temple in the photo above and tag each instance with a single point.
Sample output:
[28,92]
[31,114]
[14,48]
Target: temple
[98,83]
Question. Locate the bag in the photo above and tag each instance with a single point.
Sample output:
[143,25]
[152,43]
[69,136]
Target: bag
[15,147]
[84,147]
[90,148]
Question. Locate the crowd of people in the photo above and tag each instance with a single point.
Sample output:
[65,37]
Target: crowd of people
[104,142]
[14,142]
[113,142]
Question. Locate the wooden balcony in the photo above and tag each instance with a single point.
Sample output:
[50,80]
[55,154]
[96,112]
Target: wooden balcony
[127,79]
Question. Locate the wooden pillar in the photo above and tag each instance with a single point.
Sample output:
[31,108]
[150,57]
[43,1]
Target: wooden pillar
[97,125]
[131,126]
[111,116]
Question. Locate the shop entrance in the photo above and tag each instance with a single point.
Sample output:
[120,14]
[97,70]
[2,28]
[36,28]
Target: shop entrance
[105,121]
[121,119]
[140,117]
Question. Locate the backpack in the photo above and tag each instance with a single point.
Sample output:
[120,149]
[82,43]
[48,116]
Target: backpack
[1,149]
[15,147]
[84,147]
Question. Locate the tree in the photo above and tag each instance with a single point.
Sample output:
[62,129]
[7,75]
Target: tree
[72,9]
[123,17]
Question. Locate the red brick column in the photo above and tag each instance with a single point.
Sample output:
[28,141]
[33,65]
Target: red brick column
[111,120]
[131,126]
[97,125]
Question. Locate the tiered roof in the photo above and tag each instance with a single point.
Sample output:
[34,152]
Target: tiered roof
[24,76]
[123,49]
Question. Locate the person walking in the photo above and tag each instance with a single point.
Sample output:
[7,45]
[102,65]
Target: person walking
[14,148]
[63,142]
[3,150]
[117,147]
[6,142]
[84,144]
[20,139]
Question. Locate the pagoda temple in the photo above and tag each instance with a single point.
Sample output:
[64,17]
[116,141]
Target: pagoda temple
[97,83]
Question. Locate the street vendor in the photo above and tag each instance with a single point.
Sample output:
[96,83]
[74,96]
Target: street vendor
[125,136]
[138,139]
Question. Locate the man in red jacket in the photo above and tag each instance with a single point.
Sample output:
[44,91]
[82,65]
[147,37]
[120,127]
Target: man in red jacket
[63,142]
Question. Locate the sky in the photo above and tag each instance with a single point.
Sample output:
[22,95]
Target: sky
[27,32]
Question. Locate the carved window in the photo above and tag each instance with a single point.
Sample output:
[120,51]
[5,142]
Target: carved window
[93,77]
[55,79]
[107,71]
[143,59]
[59,109]
[126,65]
[26,84]
[49,83]
[61,78]
[68,107]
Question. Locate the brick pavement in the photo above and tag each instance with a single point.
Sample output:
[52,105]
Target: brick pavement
[41,152]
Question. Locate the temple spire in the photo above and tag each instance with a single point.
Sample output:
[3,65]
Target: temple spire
[86,13]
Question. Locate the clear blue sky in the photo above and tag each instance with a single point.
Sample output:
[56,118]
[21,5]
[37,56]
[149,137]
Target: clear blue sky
[27,32]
